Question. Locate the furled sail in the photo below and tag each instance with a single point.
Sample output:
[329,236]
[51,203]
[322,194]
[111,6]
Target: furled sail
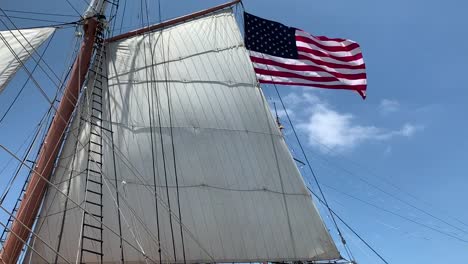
[17,46]
[193,166]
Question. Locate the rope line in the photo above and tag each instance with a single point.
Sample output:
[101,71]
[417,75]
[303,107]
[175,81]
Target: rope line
[38,13]
[73,201]
[27,81]
[396,214]
[169,105]
[349,227]
[37,19]
[150,116]
[343,241]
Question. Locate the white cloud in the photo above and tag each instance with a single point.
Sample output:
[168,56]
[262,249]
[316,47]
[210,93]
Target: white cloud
[328,128]
[388,106]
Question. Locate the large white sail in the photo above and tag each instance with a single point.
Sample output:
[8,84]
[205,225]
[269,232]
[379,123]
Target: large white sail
[191,127]
[16,47]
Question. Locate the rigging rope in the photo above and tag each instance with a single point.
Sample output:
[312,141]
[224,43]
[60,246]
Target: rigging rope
[267,115]
[33,49]
[123,16]
[37,19]
[43,119]
[62,224]
[343,241]
[38,13]
[162,147]
[74,9]
[30,75]
[31,231]
[349,227]
[28,151]
[22,240]
[150,116]
[426,212]
[27,81]
[396,214]
[171,129]
[114,163]
[69,198]
[140,177]
[52,104]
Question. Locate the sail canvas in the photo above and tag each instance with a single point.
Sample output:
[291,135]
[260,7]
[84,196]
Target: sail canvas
[193,164]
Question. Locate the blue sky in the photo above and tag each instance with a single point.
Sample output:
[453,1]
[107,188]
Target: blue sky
[408,137]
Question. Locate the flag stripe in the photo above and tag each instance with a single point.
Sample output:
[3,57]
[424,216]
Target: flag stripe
[359,64]
[324,79]
[319,53]
[348,48]
[284,62]
[299,82]
[318,71]
[325,40]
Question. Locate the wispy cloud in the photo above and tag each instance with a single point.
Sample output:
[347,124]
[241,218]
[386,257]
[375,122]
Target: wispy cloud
[328,128]
[388,106]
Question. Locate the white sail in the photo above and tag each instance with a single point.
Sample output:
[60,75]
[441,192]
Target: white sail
[186,116]
[16,47]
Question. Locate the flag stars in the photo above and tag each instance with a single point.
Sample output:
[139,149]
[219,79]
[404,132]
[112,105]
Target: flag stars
[269,37]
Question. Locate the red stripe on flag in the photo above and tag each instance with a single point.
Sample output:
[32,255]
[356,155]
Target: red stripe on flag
[332,65]
[359,88]
[348,48]
[299,76]
[306,68]
[323,54]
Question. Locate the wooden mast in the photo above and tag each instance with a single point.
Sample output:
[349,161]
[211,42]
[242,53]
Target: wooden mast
[34,193]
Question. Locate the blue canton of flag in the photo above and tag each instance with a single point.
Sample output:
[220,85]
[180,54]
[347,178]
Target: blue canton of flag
[270,37]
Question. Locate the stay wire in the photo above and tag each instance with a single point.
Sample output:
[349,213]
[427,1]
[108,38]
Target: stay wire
[40,125]
[349,227]
[38,13]
[169,105]
[32,232]
[30,75]
[343,241]
[398,215]
[75,152]
[36,19]
[22,240]
[74,9]
[52,104]
[34,51]
[28,151]
[140,177]
[169,102]
[114,163]
[163,152]
[150,116]
[426,212]
[27,80]
[123,16]
[41,90]
[73,201]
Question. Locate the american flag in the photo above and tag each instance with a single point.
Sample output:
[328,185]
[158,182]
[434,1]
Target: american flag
[290,56]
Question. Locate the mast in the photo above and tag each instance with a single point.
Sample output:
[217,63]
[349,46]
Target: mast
[34,193]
